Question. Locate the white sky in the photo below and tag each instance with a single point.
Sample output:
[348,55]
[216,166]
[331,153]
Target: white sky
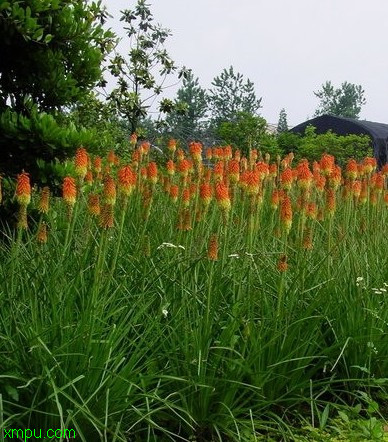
[287,48]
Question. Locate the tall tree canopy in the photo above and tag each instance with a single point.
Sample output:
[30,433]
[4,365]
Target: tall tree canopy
[141,76]
[185,121]
[345,101]
[230,95]
[51,51]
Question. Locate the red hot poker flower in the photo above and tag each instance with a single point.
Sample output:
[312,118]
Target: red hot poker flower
[23,189]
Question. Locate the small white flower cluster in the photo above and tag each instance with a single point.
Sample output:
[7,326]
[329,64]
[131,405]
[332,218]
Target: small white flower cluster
[165,313]
[381,290]
[359,280]
[168,245]
[234,255]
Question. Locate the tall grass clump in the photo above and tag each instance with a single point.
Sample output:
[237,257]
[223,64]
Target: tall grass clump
[219,302]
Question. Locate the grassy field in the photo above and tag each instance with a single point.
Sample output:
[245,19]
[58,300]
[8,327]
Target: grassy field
[234,302]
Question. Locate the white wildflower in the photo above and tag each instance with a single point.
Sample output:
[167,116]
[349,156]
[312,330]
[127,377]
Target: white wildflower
[165,312]
[359,279]
[234,255]
[170,246]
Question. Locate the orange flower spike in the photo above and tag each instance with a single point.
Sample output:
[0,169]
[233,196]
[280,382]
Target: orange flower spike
[252,181]
[171,145]
[195,150]
[23,189]
[262,169]
[352,169]
[186,197]
[286,179]
[109,191]
[212,251]
[174,192]
[311,210]
[282,264]
[356,188]
[81,161]
[384,169]
[126,180]
[218,171]
[304,175]
[180,155]
[205,193]
[335,177]
[89,177]
[152,172]
[111,158]
[170,167]
[364,192]
[97,164]
[307,239]
[252,156]
[42,234]
[43,206]
[369,165]
[228,153]
[286,213]
[275,199]
[222,196]
[107,216]
[237,155]
[69,191]
[193,189]
[377,182]
[209,153]
[273,170]
[327,164]
[145,147]
[330,201]
[94,204]
[320,181]
[133,140]
[234,171]
[373,197]
[186,220]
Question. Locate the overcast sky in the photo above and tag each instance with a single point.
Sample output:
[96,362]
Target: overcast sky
[287,48]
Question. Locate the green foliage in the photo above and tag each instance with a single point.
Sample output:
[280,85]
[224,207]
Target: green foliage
[231,95]
[137,83]
[186,125]
[282,123]
[50,57]
[26,141]
[345,101]
[51,51]
[312,146]
[245,131]
[101,117]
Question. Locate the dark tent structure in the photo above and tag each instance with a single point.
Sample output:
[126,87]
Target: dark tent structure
[346,126]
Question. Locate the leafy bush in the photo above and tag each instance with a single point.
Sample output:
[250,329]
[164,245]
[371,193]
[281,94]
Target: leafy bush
[312,145]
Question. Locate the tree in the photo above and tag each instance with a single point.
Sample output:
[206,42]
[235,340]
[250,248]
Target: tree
[282,123]
[231,95]
[185,124]
[51,51]
[345,101]
[141,77]
[51,55]
[245,131]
